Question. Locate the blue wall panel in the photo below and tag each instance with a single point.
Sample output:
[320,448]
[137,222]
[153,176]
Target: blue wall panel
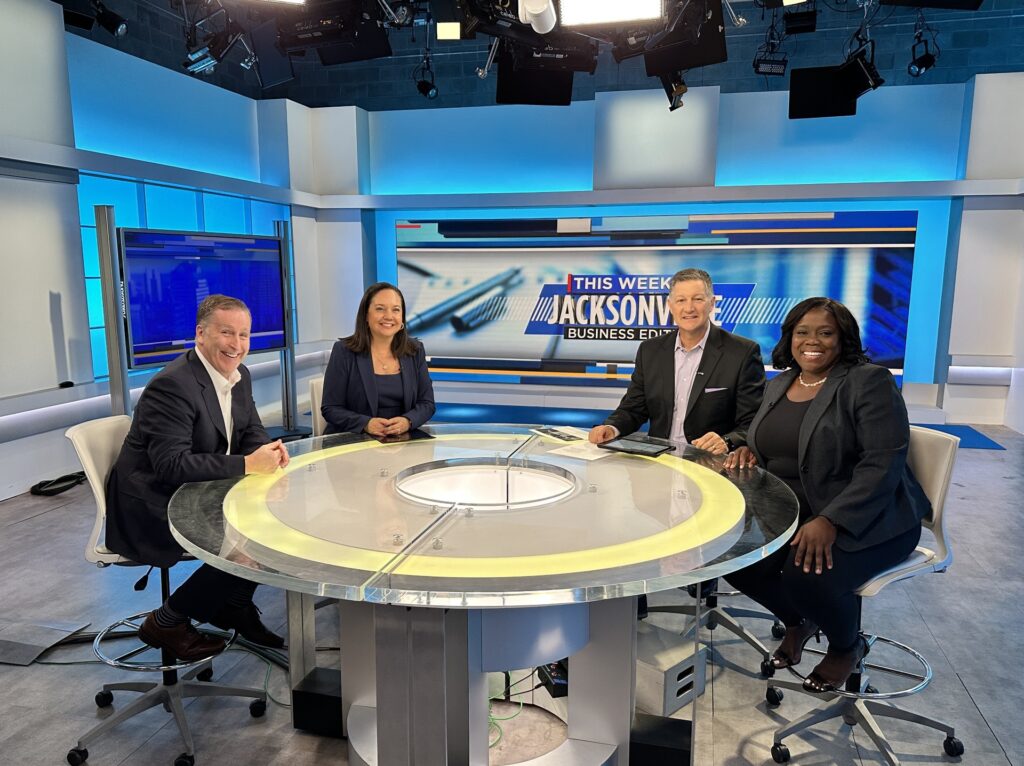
[483,149]
[898,134]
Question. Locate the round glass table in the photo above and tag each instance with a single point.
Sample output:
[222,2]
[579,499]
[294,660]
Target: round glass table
[474,549]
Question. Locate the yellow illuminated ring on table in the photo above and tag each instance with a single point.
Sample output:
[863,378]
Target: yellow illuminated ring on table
[245,509]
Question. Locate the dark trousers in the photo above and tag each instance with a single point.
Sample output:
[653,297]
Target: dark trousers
[208,591]
[828,599]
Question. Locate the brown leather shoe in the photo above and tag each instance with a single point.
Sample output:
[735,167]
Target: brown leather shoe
[246,620]
[183,641]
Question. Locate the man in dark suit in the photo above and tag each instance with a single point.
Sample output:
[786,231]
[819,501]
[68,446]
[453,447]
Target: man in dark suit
[701,385]
[196,421]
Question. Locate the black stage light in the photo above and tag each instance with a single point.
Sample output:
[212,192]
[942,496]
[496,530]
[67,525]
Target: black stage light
[675,88]
[110,21]
[694,38]
[920,65]
[527,85]
[426,87]
[800,22]
[858,74]
[773,65]
[819,92]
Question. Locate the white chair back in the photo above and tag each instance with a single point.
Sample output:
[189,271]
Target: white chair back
[316,395]
[98,443]
[931,456]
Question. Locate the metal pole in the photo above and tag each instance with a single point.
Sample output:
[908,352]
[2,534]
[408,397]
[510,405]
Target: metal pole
[289,405]
[113,311]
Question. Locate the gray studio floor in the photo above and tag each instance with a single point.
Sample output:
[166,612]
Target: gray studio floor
[968,622]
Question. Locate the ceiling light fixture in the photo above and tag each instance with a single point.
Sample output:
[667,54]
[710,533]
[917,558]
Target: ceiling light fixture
[921,56]
[539,14]
[110,21]
[586,12]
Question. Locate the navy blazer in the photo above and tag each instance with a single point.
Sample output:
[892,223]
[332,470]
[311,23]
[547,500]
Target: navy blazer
[350,390]
[723,399]
[853,454]
[177,436]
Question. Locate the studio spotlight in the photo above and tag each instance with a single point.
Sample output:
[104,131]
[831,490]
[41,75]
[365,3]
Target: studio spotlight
[858,73]
[110,21]
[426,87]
[674,89]
[920,63]
[423,75]
[921,56]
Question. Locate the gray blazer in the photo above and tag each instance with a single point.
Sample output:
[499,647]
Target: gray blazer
[853,454]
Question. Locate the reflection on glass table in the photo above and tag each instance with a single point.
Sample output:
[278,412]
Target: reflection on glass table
[474,521]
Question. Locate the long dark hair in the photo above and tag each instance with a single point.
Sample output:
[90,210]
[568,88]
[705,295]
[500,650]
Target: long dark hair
[850,349]
[359,341]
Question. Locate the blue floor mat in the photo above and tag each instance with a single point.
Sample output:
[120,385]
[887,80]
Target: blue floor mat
[970,438]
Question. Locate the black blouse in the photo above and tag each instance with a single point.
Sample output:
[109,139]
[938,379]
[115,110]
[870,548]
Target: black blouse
[778,443]
[389,396]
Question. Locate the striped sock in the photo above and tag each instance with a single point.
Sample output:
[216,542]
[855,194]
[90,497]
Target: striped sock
[166,617]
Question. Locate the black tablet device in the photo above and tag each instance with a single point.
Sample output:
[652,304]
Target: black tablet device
[409,436]
[650,449]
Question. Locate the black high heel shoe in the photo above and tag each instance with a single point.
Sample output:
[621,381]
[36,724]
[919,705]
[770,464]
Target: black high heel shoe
[791,649]
[832,672]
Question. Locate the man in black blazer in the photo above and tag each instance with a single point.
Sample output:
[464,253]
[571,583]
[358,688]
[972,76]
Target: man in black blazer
[721,382]
[195,421]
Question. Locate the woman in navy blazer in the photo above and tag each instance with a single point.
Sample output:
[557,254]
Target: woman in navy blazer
[377,380]
[833,427]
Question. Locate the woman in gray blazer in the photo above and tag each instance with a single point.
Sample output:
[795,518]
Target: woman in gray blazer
[834,427]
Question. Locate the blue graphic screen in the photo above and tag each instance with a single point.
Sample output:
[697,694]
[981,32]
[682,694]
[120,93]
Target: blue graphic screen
[166,275]
[567,300]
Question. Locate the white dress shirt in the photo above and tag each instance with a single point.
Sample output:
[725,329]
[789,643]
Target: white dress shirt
[686,364]
[222,386]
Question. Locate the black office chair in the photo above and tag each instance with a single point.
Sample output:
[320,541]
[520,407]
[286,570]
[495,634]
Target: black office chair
[97,443]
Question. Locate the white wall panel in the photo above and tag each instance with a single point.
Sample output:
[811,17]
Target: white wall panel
[986,302]
[997,124]
[640,144]
[305,255]
[300,146]
[43,319]
[338,167]
[340,254]
[272,121]
[34,73]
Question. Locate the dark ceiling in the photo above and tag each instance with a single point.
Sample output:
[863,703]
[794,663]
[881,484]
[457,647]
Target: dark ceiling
[374,53]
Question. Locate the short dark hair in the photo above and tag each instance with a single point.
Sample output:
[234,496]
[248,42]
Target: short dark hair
[686,275]
[359,340]
[213,303]
[850,349]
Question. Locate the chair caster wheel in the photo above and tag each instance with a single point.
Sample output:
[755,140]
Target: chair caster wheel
[104,698]
[774,696]
[780,753]
[778,630]
[951,745]
[869,689]
[185,760]
[79,755]
[206,674]
[257,708]
[767,669]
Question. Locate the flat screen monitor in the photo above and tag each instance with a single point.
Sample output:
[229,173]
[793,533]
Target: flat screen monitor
[167,274]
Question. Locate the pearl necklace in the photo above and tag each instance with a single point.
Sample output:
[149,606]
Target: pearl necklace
[800,379]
